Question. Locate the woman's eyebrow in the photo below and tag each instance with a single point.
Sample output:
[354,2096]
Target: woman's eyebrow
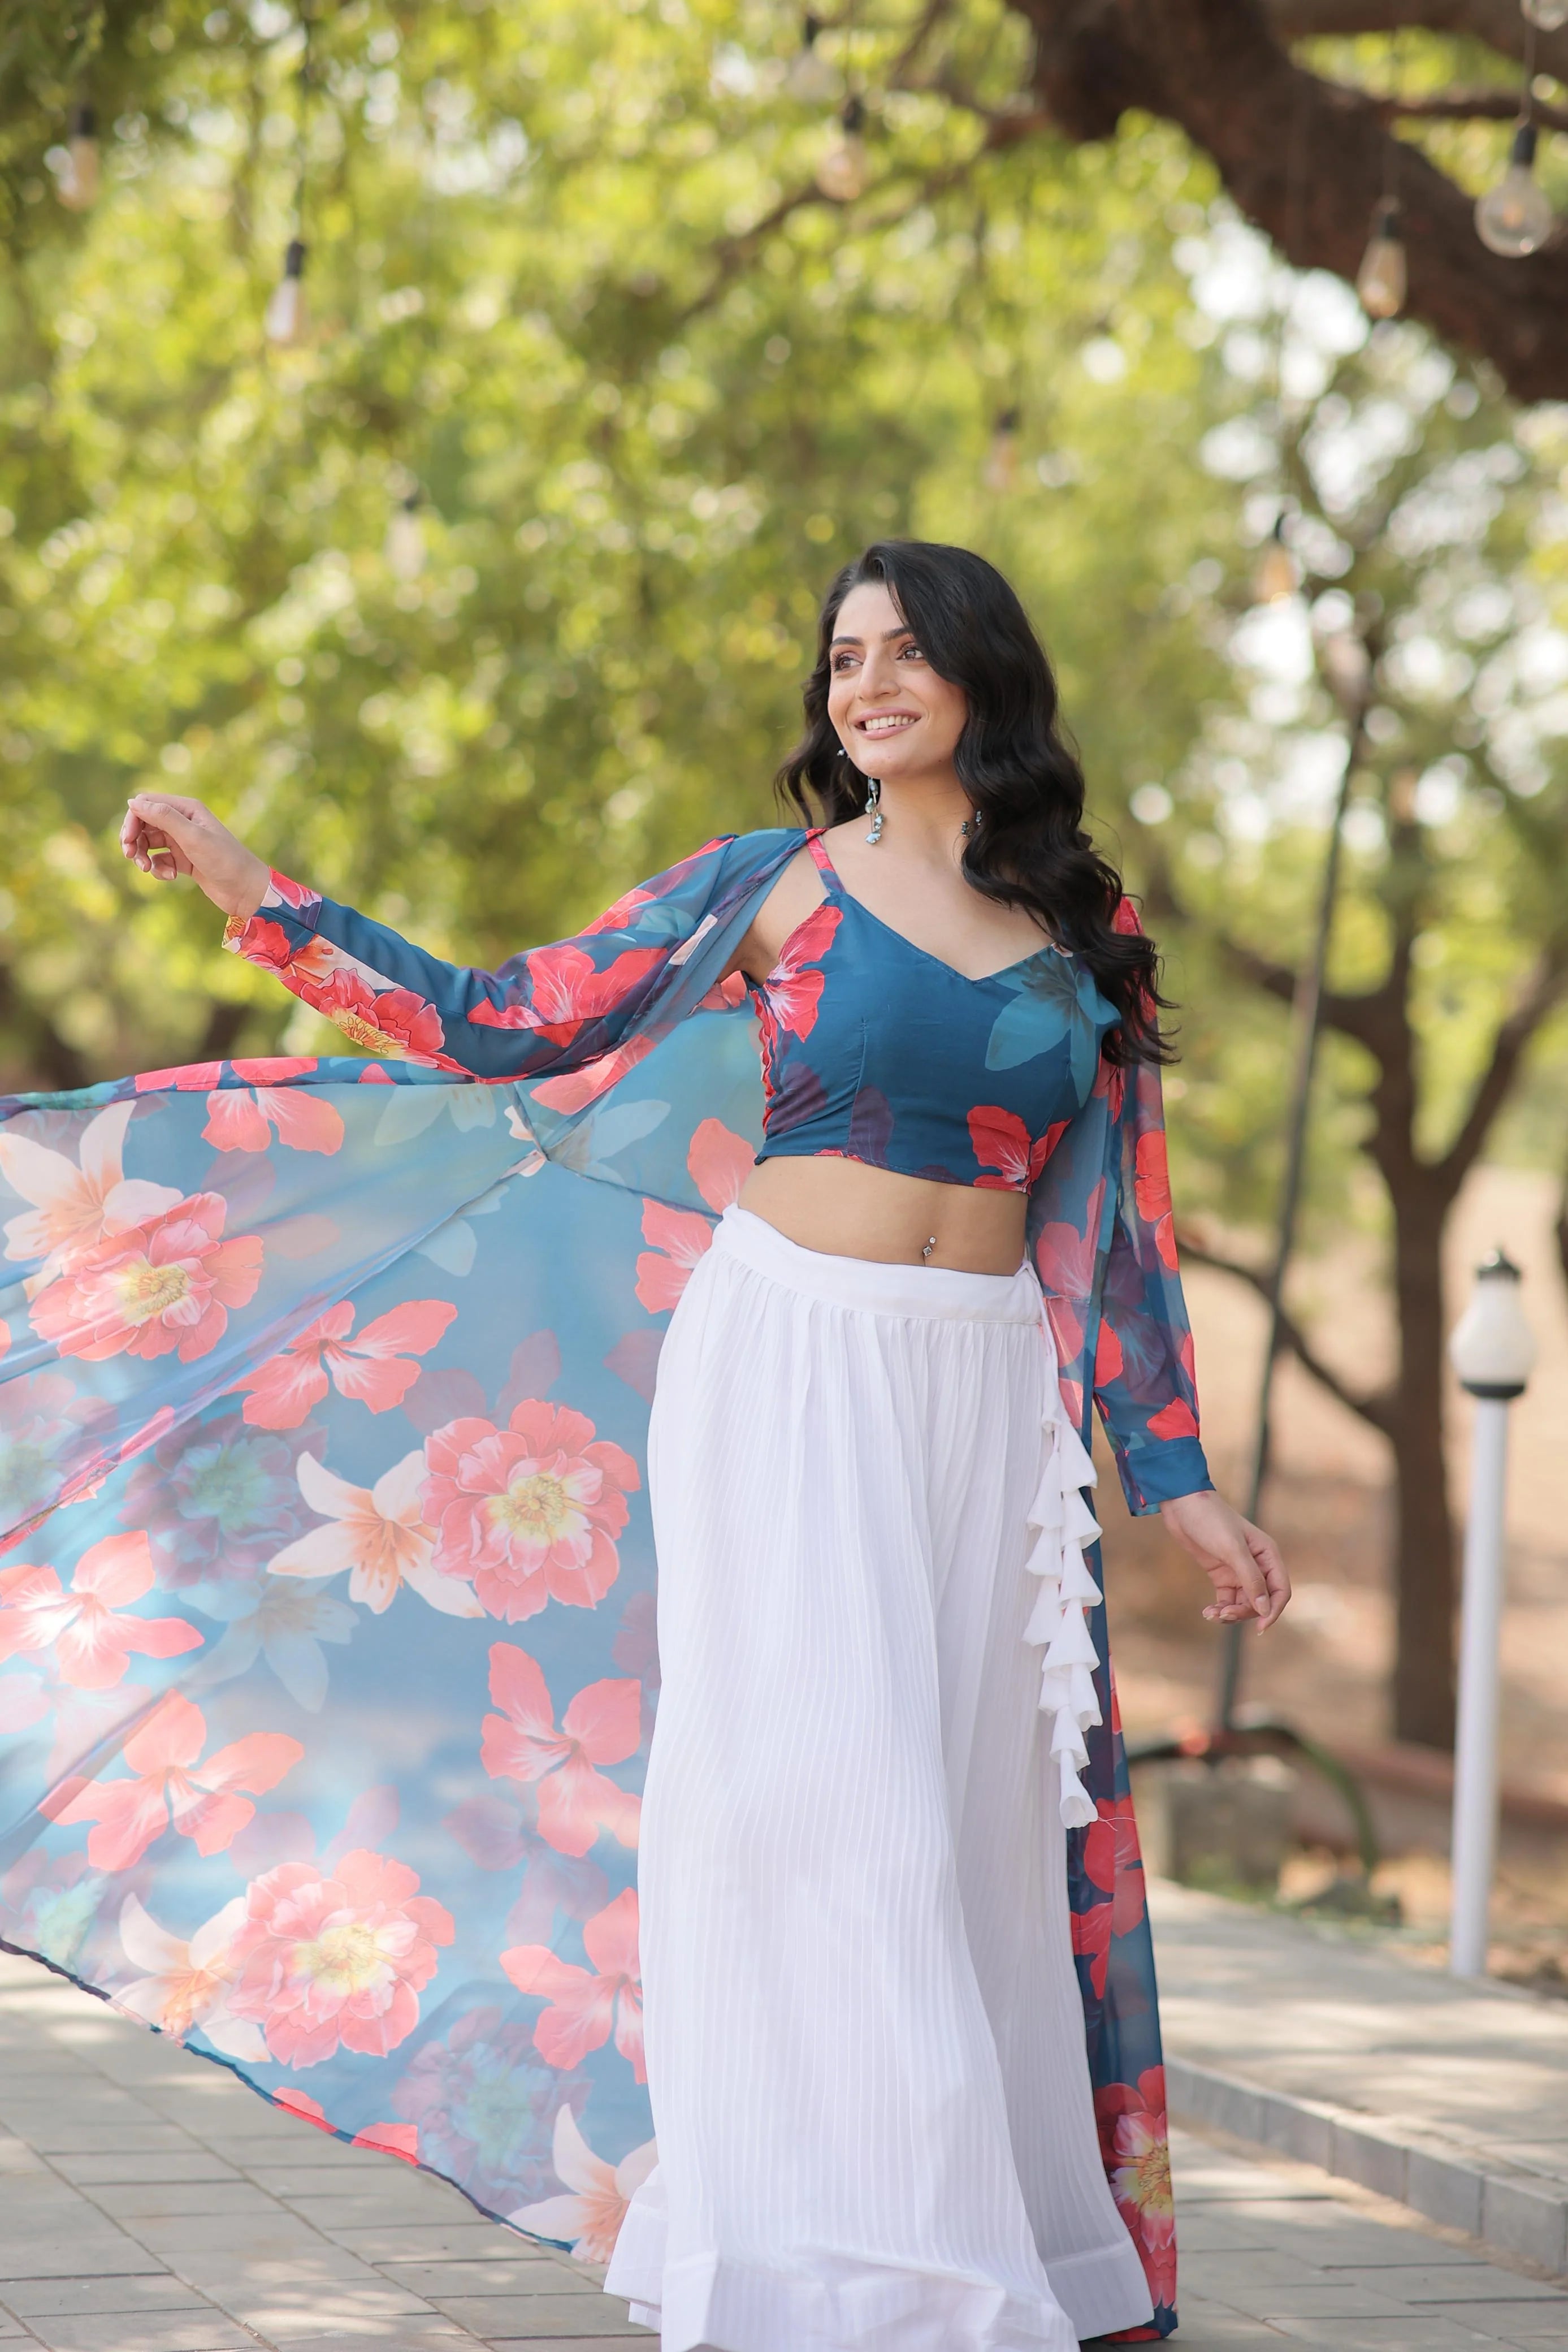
[887,638]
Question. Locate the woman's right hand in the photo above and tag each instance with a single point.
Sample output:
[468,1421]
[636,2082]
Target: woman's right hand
[166,834]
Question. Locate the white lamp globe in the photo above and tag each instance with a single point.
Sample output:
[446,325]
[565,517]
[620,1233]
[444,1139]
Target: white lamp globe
[1491,1347]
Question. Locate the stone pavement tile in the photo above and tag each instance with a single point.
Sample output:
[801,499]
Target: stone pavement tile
[142,2136]
[186,2245]
[1535,2323]
[581,2343]
[1325,2299]
[535,2275]
[445,2333]
[202,2330]
[332,2166]
[1419,2333]
[282,2320]
[1215,2328]
[105,2255]
[158,2291]
[472,2241]
[137,2200]
[501,2318]
[1468,2283]
[1331,2234]
[95,2167]
[331,2213]
[1249,2273]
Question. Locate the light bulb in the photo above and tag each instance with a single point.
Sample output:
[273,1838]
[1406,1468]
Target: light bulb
[79,181]
[285,313]
[813,78]
[1515,219]
[1276,576]
[846,167]
[406,539]
[1550,16]
[1381,280]
[1002,458]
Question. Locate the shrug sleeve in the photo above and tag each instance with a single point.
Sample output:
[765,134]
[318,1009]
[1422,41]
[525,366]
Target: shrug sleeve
[546,1010]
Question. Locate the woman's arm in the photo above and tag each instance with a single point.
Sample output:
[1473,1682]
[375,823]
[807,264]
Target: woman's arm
[550,1009]
[1145,1385]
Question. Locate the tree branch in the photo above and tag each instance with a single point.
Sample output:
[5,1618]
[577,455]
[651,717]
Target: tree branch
[1475,106]
[1543,993]
[1374,1409]
[1308,160]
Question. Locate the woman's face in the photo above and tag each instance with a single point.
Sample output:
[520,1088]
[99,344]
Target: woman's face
[894,716]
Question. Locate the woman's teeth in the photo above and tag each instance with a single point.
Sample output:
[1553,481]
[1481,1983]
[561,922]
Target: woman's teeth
[885,726]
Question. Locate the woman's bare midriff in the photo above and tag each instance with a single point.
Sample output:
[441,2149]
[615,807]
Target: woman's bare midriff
[846,1209]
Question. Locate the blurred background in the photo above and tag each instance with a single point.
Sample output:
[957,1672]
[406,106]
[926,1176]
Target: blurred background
[426,433]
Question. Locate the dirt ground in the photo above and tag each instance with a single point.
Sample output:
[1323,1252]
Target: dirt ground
[1326,1667]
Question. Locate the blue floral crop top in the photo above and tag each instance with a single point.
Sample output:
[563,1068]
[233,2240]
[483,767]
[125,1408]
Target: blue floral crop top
[875,1050]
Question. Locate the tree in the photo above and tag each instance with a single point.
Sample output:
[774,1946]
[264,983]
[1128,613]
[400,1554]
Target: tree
[1431,542]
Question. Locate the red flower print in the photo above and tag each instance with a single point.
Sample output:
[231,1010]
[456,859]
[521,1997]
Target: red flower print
[577,1088]
[529,1513]
[1113,1862]
[269,947]
[324,1961]
[298,894]
[1108,1358]
[1151,1191]
[170,1787]
[1064,1254]
[602,1725]
[1176,1419]
[165,1283]
[392,1021]
[240,1120]
[719,1161]
[1002,1141]
[92,1642]
[793,992]
[566,988]
[376,1367]
[584,2005]
[1136,2150]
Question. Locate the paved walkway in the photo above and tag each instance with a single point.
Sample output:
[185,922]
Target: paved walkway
[150,2203]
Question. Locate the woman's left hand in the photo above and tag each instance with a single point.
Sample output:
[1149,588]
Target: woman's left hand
[1242,1562]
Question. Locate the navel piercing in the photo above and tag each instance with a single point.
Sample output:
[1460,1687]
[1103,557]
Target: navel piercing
[925,1252]
[873,808]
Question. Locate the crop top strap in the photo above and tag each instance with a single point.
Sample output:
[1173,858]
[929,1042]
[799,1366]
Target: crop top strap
[823,863]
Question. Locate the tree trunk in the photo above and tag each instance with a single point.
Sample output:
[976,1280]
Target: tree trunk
[1424,1546]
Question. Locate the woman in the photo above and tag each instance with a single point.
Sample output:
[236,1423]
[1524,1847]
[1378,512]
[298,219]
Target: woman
[867,1853]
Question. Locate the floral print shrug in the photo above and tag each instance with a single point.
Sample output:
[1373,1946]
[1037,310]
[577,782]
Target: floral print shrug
[573,1020]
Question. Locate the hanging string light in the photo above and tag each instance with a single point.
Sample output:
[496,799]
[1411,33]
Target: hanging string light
[287,318]
[845,169]
[1382,279]
[79,183]
[1277,575]
[1002,458]
[812,78]
[1515,219]
[1549,15]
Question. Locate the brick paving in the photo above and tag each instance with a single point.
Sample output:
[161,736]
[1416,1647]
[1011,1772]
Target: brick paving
[148,2202]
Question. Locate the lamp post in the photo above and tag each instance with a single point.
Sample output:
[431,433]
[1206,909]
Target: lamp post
[1492,1349]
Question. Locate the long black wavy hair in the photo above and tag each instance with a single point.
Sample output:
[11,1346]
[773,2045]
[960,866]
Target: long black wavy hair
[1028,847]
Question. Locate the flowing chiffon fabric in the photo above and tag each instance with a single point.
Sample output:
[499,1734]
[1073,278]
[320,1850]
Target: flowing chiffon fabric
[328,1655]
[870,2089]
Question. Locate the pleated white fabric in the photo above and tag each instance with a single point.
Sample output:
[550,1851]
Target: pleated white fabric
[864,2037]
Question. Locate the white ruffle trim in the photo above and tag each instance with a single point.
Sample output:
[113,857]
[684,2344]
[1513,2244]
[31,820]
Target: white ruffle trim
[1061,1523]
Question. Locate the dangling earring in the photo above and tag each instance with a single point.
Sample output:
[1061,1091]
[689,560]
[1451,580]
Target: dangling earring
[873,808]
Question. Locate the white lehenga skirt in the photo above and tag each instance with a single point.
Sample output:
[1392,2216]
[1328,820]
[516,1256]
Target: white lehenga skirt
[864,2036]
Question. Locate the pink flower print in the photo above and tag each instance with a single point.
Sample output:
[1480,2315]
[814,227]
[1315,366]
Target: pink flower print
[719,1161]
[187,1981]
[171,1787]
[481,2101]
[1002,1141]
[566,988]
[375,1366]
[577,1088]
[1112,1860]
[602,1725]
[270,948]
[1136,2150]
[1108,1358]
[243,1120]
[92,1640]
[679,1237]
[792,990]
[166,1284]
[280,890]
[391,1021]
[75,1205]
[42,1423]
[217,1499]
[529,1513]
[377,1533]
[340,1961]
[583,2005]
[1064,1254]
[591,2215]
[1151,1191]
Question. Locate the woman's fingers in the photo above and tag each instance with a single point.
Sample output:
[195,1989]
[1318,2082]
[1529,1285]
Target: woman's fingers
[165,833]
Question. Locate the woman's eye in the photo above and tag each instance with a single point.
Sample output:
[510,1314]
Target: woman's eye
[912,652]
